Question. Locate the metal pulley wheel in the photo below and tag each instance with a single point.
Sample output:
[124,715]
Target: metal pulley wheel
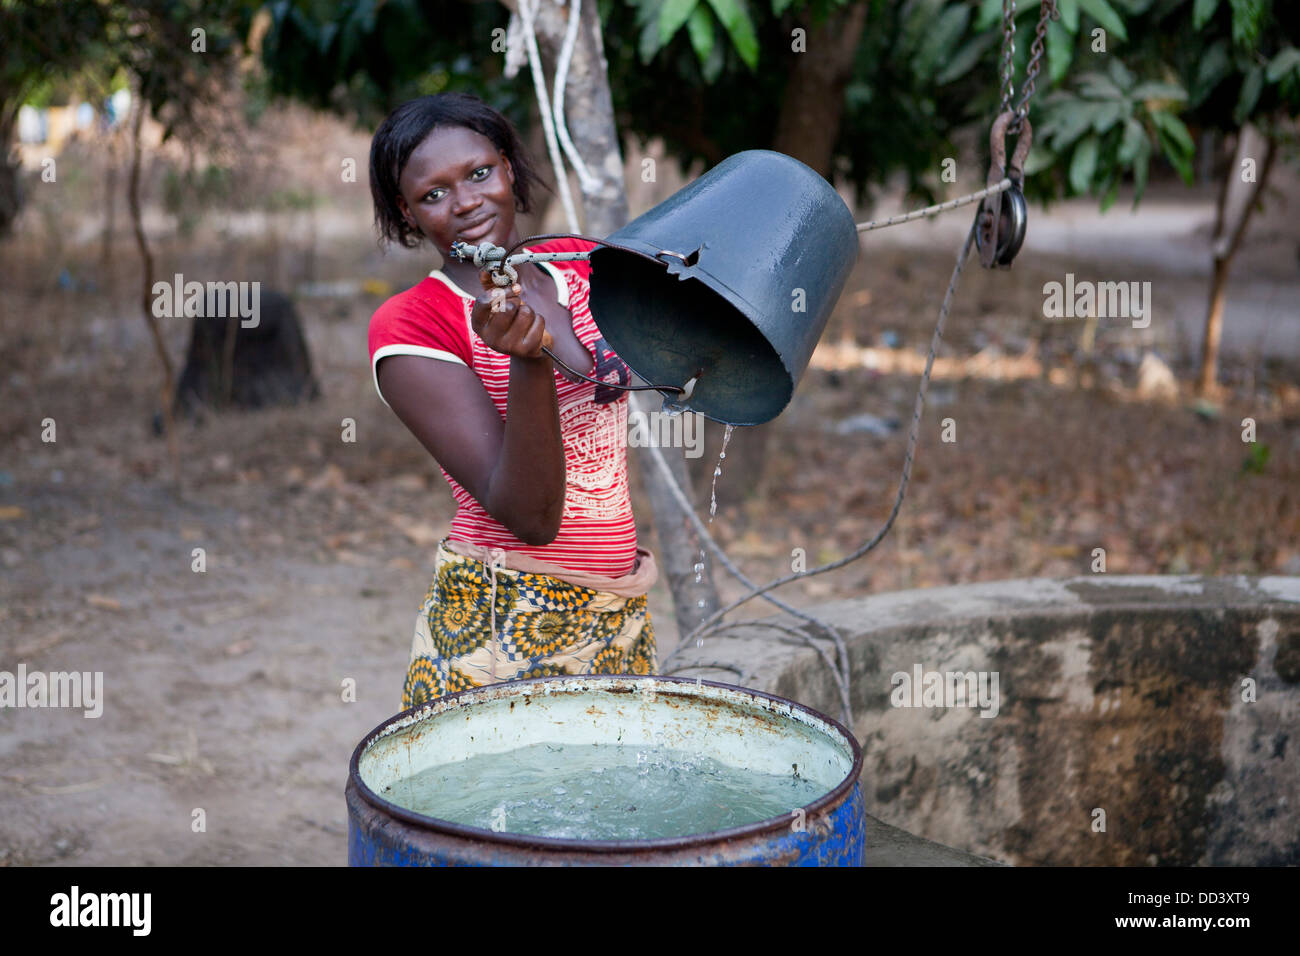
[1012,219]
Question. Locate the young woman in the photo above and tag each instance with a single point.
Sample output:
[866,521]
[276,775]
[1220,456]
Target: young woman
[540,573]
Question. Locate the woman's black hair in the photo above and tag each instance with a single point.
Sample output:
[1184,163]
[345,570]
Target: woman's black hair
[406,127]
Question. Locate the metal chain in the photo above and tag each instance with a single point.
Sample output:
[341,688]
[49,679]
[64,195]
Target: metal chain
[1047,11]
[1008,52]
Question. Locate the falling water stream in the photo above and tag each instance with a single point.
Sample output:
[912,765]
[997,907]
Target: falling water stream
[713,510]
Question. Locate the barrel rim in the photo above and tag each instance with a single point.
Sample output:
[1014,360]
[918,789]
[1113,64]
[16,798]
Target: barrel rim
[827,801]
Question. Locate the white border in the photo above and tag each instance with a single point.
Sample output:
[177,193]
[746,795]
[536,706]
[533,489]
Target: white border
[422,350]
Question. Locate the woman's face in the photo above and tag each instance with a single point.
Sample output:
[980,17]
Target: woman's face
[458,186]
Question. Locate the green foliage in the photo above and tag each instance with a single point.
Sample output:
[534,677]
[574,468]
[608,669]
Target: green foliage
[1256,459]
[361,58]
[89,49]
[1106,17]
[707,23]
[46,44]
[1106,125]
[1208,63]
[710,76]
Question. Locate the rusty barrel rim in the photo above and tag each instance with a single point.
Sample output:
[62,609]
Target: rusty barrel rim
[835,796]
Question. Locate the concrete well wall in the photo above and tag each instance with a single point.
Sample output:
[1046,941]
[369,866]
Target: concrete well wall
[1139,720]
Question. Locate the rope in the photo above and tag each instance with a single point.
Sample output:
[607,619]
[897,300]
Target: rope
[907,460]
[527,13]
[498,560]
[590,184]
[1004,185]
[839,672]
[552,116]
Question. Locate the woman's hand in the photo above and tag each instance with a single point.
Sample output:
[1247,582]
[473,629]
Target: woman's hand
[508,324]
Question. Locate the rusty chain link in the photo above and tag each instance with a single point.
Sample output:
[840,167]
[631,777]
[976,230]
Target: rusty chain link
[1008,53]
[1047,11]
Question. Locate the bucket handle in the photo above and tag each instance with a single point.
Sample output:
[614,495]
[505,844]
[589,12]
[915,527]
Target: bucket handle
[688,260]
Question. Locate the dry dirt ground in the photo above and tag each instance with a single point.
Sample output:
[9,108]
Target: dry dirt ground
[224,690]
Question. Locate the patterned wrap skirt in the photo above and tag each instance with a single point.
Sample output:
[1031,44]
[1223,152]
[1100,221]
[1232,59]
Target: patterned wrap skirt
[482,623]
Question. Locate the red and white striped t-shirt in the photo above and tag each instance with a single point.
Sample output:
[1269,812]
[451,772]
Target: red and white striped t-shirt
[597,531]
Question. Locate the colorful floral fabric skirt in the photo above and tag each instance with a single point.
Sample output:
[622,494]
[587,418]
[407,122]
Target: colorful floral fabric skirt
[481,624]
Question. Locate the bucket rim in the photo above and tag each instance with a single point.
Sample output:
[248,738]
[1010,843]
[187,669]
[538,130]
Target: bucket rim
[826,802]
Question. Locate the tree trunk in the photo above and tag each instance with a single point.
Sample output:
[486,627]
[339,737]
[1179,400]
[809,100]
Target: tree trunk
[1225,243]
[806,129]
[590,119]
[813,103]
[146,283]
[1206,383]
[10,190]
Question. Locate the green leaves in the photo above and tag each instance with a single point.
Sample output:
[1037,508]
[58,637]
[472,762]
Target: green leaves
[1175,143]
[1158,91]
[659,28]
[1105,127]
[1131,142]
[1069,10]
[1141,166]
[1106,17]
[1250,90]
[940,38]
[963,60]
[1215,64]
[1173,127]
[735,19]
[1202,11]
[1282,64]
[1256,459]
[1248,21]
[700,27]
[1084,164]
[672,15]
[1060,50]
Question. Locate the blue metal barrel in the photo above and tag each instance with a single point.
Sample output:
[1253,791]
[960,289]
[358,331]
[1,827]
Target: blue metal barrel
[733,725]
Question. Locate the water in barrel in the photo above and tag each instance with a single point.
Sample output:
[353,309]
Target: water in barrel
[600,792]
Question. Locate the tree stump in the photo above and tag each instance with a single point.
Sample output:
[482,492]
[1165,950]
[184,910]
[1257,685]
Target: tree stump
[229,366]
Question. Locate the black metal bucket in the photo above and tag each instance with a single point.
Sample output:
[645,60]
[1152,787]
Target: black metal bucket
[768,244]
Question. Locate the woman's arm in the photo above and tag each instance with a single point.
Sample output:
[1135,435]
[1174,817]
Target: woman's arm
[515,469]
